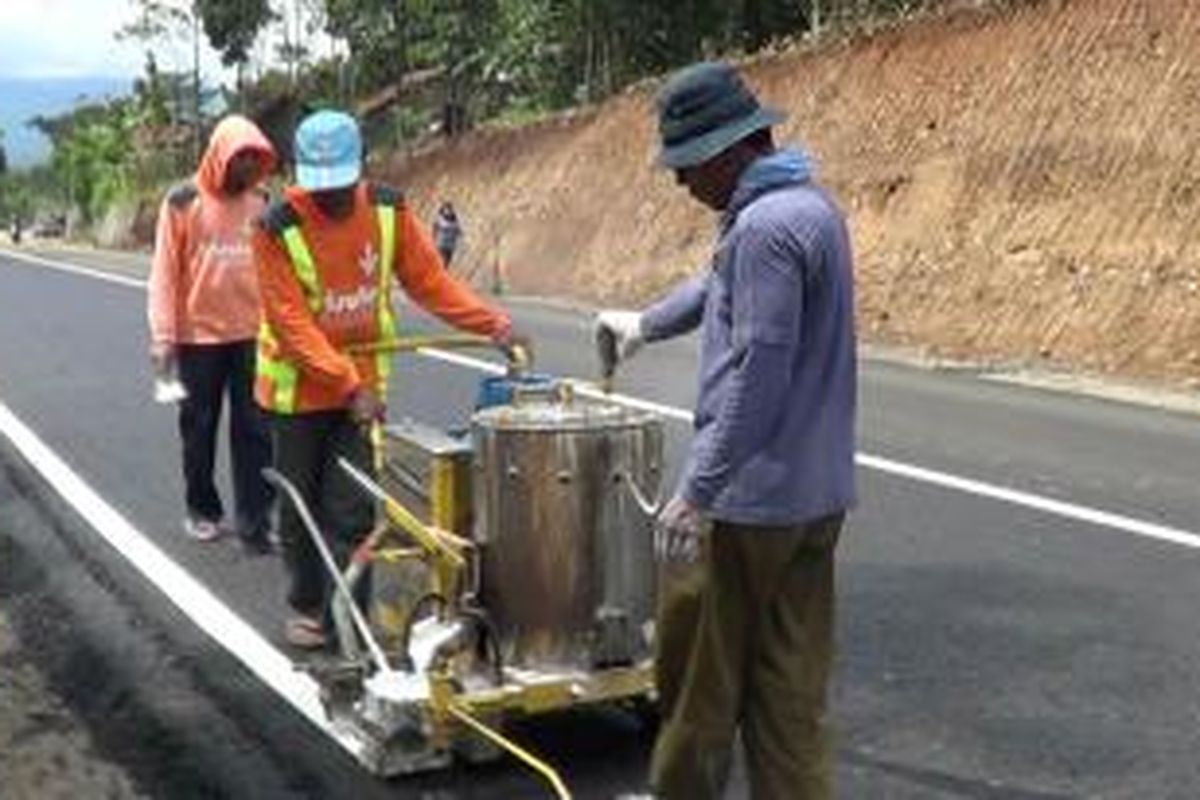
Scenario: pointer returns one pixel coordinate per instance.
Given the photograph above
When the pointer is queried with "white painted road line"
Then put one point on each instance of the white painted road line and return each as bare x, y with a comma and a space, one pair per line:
1048, 505
888, 466
189, 595
74, 269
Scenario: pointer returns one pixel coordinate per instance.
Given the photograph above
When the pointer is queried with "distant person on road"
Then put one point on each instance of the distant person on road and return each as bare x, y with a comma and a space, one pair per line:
15, 231
203, 312
447, 231
328, 254
746, 608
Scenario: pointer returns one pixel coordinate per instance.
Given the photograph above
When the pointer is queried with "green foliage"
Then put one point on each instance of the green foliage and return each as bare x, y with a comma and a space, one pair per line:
232, 25
96, 159
92, 154
376, 32
419, 63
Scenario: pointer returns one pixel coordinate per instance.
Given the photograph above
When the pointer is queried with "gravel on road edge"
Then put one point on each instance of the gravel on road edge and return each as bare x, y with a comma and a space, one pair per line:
45, 751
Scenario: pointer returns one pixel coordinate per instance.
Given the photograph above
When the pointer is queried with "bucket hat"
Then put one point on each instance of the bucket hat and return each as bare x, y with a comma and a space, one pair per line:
328, 151
704, 109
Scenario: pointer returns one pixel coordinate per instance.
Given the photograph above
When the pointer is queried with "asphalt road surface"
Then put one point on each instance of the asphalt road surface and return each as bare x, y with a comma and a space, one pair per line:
1018, 587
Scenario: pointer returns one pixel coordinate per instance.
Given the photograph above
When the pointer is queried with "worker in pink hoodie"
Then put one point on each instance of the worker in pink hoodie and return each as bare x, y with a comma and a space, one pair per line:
203, 309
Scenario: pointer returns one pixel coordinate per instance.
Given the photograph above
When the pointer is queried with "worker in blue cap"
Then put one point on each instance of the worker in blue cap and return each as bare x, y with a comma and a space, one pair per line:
328, 255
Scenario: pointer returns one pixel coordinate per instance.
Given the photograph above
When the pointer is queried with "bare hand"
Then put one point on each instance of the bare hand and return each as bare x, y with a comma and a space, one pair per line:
365, 407
162, 357
677, 532
517, 348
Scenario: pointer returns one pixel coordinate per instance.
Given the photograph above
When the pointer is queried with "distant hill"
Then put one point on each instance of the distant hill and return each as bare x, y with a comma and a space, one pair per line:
21, 99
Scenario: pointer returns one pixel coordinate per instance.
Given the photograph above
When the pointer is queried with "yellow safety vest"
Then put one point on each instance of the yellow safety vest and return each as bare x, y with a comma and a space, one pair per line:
283, 374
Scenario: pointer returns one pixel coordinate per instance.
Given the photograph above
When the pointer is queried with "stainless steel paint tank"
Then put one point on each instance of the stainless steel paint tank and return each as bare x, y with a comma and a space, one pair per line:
567, 572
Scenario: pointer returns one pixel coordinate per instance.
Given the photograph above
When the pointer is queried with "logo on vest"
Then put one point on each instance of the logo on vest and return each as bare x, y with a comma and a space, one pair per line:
368, 261
344, 310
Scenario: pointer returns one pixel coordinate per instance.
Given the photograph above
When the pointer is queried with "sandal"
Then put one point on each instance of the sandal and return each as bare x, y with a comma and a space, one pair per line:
304, 632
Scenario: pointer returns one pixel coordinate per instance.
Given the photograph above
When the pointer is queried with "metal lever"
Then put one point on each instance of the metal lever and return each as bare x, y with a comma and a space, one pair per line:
606, 349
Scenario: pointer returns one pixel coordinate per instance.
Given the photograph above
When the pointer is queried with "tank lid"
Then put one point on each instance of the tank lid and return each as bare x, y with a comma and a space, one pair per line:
551, 415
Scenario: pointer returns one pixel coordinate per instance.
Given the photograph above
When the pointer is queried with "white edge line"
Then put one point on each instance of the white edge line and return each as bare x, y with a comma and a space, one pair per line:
1047, 505
88, 272
189, 595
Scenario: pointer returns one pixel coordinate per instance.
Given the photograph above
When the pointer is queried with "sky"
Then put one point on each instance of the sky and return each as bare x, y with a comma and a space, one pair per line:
55, 53
74, 38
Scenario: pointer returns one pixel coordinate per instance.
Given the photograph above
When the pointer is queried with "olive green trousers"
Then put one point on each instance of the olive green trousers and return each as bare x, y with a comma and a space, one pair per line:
745, 642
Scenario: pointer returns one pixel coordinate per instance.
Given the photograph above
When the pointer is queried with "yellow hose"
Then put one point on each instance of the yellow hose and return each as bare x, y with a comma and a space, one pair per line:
530, 760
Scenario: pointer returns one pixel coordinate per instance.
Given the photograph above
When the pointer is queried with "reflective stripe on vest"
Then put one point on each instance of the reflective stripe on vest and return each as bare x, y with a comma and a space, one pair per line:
283, 374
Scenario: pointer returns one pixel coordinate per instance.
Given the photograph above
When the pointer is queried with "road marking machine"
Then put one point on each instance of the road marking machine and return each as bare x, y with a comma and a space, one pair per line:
512, 574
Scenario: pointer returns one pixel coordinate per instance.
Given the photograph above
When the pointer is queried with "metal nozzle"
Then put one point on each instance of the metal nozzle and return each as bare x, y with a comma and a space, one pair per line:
519, 360
606, 349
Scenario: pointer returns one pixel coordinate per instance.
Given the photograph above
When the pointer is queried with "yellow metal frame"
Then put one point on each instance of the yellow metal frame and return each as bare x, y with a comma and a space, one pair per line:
445, 551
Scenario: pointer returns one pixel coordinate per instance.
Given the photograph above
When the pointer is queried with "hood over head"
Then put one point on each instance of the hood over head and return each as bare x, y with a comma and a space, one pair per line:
232, 135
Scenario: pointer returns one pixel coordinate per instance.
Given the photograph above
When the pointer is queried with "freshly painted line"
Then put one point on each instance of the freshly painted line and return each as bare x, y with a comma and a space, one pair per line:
73, 269
189, 595
886, 465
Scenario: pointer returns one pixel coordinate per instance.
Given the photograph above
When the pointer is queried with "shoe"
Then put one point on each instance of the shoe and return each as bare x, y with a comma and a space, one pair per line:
257, 544
305, 633
202, 530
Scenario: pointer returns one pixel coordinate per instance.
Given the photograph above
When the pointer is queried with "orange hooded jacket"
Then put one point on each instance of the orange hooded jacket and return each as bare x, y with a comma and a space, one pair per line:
203, 285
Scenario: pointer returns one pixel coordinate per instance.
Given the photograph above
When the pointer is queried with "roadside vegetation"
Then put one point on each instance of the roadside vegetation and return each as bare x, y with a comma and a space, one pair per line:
410, 69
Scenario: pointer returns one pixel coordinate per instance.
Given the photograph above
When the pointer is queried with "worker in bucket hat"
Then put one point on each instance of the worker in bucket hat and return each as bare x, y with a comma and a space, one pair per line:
746, 606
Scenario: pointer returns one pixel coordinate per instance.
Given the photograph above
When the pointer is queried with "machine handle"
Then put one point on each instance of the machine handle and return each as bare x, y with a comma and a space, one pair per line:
648, 507
408, 344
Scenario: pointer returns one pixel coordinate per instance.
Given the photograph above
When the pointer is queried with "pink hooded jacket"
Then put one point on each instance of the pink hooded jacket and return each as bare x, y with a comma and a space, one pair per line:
203, 283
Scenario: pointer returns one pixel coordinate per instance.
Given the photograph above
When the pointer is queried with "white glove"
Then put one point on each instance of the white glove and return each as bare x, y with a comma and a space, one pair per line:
626, 326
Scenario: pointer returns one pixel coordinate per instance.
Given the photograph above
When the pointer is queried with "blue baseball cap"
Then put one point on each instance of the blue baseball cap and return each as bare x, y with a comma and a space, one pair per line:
328, 151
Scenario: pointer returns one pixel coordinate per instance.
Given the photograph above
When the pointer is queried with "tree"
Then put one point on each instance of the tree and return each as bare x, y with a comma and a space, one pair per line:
377, 34
167, 20
233, 25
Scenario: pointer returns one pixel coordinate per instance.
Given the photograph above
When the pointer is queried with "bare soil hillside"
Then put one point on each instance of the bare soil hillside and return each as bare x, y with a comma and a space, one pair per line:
1022, 185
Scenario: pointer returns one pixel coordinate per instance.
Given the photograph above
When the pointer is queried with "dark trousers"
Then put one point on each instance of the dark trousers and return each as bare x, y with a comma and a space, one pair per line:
209, 372
307, 449
746, 642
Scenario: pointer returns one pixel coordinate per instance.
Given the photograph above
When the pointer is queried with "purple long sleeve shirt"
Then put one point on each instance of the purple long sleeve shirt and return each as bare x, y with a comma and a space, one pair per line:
775, 411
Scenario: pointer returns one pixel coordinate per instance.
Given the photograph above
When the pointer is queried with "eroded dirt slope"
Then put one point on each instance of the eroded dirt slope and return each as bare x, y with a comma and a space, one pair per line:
1022, 185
